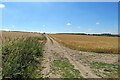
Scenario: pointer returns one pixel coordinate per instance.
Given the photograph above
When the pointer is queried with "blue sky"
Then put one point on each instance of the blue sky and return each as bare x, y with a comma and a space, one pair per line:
88, 17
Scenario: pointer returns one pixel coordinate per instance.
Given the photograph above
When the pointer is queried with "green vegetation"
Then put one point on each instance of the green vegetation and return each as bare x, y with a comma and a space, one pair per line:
110, 70
99, 65
56, 54
19, 57
104, 34
0, 73
65, 68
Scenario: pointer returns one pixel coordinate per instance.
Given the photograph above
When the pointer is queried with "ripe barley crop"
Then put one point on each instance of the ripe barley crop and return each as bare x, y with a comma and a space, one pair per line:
88, 43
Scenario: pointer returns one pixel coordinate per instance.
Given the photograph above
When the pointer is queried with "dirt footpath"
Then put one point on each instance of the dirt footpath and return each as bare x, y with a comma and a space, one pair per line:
80, 60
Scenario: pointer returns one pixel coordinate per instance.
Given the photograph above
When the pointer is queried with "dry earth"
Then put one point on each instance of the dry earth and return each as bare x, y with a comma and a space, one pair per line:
81, 60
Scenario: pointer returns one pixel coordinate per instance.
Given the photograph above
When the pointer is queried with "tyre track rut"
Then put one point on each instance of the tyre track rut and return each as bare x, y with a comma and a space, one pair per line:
52, 46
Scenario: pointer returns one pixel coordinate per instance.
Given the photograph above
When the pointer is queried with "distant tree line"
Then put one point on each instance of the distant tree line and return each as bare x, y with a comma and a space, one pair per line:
104, 34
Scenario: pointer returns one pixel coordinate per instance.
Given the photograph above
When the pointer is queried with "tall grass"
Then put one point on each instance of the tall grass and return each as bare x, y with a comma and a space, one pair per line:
19, 56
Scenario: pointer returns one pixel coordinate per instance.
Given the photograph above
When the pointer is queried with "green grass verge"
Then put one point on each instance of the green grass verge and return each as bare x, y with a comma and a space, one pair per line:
110, 70
99, 65
65, 68
0, 73
19, 57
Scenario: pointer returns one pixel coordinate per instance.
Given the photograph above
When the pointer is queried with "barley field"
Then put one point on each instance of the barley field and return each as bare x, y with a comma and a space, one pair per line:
7, 35
100, 44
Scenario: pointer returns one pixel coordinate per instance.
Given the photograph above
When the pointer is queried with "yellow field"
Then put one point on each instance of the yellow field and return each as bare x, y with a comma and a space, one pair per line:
88, 43
7, 35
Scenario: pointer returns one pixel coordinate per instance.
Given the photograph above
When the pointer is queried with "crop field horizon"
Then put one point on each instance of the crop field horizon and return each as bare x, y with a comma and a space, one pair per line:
59, 39
27, 55
101, 44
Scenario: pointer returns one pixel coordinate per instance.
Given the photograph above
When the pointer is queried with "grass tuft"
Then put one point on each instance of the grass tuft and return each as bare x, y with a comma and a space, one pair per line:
19, 56
65, 68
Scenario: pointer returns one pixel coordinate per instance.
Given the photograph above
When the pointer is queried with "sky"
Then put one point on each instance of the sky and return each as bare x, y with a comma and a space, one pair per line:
57, 17
60, 0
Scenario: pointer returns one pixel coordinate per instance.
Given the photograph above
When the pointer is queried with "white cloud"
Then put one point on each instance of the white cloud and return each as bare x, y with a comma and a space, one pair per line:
6, 29
2, 5
97, 23
68, 24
